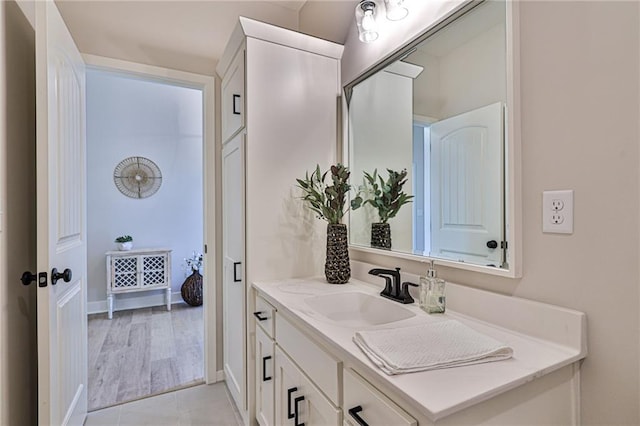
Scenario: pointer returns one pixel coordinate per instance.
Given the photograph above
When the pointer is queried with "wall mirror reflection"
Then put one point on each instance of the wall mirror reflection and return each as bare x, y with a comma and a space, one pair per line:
439, 113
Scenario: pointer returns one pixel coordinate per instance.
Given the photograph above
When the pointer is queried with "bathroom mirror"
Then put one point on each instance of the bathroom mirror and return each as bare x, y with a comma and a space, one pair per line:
442, 108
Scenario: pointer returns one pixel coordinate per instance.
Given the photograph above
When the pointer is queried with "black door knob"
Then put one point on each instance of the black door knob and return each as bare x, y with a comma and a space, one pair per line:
65, 276
27, 277
492, 244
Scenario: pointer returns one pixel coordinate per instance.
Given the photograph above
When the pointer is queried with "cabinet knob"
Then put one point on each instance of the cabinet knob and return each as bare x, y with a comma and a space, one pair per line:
492, 244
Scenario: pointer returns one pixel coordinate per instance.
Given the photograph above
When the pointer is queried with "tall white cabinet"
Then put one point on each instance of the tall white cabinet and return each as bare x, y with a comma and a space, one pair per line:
280, 97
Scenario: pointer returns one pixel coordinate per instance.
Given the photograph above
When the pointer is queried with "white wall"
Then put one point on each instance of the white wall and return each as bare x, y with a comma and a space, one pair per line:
580, 108
18, 357
130, 117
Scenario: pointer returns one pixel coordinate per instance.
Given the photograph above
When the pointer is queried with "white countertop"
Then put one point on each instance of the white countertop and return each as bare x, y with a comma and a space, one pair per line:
547, 345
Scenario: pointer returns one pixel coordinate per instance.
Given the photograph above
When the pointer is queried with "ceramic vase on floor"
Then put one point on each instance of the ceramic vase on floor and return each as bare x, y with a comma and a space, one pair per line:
381, 235
191, 289
337, 268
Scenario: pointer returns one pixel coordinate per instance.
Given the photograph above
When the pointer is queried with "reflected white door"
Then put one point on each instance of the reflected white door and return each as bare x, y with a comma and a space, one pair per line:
233, 287
466, 191
61, 222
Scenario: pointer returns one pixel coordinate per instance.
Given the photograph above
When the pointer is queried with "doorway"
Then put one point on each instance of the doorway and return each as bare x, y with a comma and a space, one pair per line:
146, 348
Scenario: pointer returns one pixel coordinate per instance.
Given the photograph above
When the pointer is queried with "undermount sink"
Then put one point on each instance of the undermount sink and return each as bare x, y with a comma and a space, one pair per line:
355, 309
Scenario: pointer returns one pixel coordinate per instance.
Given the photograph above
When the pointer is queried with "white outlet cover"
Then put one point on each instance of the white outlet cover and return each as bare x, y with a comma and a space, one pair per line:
550, 222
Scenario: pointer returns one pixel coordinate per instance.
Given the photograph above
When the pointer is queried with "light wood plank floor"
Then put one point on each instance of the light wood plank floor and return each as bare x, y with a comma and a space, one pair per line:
144, 352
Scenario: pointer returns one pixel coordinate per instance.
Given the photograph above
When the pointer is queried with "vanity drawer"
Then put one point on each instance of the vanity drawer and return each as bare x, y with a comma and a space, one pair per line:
264, 316
374, 407
321, 367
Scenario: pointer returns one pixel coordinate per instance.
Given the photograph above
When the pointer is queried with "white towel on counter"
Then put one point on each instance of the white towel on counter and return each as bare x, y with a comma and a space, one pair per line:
430, 346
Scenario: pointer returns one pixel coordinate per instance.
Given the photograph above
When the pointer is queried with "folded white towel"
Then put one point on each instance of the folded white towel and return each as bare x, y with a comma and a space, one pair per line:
430, 346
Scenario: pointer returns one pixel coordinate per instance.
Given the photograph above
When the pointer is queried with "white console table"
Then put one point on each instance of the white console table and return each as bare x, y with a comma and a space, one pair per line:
138, 270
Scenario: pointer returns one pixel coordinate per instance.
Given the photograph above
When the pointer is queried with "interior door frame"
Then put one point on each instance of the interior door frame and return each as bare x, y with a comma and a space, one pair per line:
207, 85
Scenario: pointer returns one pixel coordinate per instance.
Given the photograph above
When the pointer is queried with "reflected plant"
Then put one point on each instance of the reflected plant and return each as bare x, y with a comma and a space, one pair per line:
385, 196
327, 201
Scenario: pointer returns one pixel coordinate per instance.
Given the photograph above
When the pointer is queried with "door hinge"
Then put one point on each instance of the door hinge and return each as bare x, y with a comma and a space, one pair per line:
205, 249
503, 245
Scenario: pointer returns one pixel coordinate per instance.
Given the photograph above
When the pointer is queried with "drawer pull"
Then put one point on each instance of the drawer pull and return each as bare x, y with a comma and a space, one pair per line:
264, 368
235, 98
297, 414
353, 412
235, 272
290, 415
257, 315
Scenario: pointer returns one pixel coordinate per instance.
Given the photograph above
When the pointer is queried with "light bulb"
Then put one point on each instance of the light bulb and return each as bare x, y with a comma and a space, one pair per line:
396, 10
365, 17
368, 22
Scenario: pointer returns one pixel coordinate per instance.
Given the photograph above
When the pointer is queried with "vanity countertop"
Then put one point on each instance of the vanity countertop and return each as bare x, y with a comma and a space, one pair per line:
544, 338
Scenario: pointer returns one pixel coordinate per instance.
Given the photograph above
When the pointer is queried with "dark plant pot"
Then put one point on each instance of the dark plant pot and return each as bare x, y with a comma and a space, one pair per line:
337, 268
381, 235
191, 290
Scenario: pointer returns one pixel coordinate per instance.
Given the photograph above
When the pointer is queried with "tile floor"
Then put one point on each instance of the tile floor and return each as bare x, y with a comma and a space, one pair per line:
143, 352
198, 405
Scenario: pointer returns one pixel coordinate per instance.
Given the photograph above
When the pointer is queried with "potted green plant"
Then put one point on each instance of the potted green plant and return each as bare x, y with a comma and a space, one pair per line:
125, 242
386, 197
327, 200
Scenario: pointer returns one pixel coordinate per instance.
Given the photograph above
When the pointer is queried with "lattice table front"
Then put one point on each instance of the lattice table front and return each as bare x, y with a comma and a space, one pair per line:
138, 270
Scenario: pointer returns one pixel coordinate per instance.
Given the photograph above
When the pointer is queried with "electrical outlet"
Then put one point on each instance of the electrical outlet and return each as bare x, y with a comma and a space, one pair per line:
557, 219
557, 212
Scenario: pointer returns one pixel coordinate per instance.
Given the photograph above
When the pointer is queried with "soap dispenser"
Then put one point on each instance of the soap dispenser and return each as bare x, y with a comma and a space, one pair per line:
432, 296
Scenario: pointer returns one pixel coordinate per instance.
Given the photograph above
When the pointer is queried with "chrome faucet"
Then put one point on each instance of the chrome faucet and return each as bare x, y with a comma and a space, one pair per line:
393, 289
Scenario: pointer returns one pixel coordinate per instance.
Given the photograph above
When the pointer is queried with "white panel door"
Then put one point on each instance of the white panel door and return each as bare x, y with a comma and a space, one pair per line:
61, 222
466, 190
233, 287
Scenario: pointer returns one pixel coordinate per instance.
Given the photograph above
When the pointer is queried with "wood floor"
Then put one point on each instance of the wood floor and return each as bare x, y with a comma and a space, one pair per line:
144, 352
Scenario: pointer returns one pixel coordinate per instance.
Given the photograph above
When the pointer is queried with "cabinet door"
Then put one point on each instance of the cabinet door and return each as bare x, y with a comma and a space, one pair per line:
298, 400
233, 285
154, 270
233, 102
265, 381
124, 273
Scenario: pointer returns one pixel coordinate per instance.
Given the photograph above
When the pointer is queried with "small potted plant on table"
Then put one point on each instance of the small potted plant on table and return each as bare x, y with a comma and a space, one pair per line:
125, 242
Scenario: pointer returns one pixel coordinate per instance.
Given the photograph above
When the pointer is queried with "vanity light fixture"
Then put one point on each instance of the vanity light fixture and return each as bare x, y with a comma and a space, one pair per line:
396, 10
366, 21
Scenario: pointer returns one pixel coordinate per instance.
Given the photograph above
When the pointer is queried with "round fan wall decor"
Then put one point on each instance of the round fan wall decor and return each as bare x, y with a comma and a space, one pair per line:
137, 177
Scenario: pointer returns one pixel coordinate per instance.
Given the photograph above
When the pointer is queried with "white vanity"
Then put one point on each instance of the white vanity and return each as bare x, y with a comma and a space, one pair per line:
308, 370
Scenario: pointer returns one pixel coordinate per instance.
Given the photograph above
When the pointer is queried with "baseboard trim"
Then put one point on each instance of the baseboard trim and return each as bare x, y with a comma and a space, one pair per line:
143, 301
219, 376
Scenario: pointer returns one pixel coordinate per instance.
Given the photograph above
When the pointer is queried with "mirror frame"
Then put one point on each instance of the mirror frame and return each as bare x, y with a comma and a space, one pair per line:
513, 176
